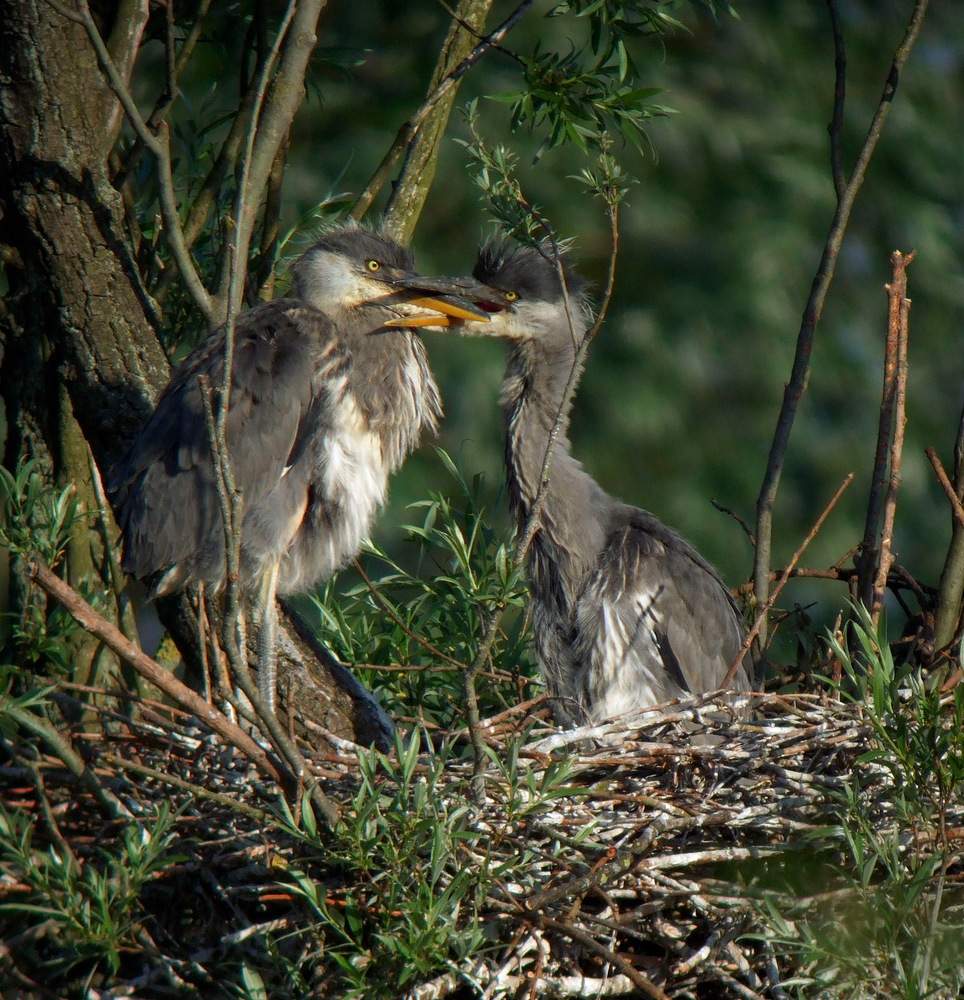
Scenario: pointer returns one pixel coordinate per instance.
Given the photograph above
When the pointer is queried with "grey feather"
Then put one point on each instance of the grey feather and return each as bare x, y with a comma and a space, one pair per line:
626, 613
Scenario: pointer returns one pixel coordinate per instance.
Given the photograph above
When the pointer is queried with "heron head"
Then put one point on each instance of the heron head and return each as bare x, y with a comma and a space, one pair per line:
530, 294
365, 280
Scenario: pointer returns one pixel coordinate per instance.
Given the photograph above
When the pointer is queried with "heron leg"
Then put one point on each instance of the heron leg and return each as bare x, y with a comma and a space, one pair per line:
268, 638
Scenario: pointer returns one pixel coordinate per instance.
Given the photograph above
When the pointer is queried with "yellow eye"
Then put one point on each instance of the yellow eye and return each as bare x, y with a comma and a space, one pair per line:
373, 265
511, 296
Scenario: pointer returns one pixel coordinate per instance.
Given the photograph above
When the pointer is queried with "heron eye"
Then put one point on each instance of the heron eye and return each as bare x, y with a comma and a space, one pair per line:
511, 296
373, 265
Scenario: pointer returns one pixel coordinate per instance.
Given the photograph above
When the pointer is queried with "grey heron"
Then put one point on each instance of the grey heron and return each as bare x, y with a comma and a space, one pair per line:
626, 613
330, 391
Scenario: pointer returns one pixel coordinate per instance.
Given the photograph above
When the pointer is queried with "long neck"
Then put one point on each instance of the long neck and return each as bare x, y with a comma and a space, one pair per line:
574, 510
394, 387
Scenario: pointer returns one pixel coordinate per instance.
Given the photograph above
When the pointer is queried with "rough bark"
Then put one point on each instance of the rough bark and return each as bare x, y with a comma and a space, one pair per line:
81, 357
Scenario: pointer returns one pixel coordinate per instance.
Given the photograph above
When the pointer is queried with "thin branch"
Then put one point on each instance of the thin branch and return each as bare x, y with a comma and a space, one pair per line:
408, 131
127, 30
60, 746
644, 985
800, 374
390, 611
835, 128
899, 310
232, 802
231, 504
160, 147
740, 520
279, 93
956, 505
112, 637
761, 617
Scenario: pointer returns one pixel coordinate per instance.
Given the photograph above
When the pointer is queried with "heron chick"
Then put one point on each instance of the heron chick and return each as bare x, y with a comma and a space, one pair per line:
330, 391
626, 613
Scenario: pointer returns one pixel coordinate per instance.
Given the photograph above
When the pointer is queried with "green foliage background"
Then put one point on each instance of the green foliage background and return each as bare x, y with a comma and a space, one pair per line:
719, 244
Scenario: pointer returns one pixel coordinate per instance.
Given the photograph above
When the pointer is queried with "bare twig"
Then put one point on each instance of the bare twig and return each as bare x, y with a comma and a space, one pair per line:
409, 130
111, 636
159, 146
641, 982
899, 311
740, 520
835, 128
956, 505
800, 373
762, 614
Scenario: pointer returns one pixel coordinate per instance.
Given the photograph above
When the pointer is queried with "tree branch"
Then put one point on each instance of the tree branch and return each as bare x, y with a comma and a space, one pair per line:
761, 618
112, 637
278, 96
414, 182
159, 145
800, 373
835, 128
899, 310
409, 130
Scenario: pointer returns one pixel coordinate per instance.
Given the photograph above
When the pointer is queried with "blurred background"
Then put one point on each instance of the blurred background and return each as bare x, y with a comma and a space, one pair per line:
719, 243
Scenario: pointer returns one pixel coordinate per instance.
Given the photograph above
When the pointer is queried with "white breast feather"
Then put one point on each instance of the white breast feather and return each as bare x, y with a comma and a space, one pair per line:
354, 483
357, 473
626, 672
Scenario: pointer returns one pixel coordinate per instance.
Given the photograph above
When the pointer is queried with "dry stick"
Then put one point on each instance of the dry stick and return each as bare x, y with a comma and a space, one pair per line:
408, 131
800, 373
740, 520
899, 313
112, 637
781, 583
946, 485
867, 561
231, 504
646, 986
195, 791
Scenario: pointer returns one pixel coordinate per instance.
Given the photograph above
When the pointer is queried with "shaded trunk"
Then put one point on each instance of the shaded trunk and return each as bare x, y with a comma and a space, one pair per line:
82, 361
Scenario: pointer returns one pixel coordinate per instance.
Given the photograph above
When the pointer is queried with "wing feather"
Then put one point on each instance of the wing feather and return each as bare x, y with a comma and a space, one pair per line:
653, 622
164, 490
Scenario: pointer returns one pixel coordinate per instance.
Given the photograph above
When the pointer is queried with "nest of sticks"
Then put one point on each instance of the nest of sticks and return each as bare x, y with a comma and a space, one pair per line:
643, 879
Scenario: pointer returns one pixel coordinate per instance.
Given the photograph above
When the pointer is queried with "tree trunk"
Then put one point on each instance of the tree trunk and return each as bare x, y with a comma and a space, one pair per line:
82, 361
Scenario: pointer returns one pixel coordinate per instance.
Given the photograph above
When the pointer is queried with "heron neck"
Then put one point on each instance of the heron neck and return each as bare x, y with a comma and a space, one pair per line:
574, 508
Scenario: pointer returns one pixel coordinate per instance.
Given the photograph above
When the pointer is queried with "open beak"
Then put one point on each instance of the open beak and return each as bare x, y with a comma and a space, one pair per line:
451, 301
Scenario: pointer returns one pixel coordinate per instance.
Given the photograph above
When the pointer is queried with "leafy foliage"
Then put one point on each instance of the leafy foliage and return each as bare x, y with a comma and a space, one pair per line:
36, 518
892, 924
427, 620
88, 912
418, 862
